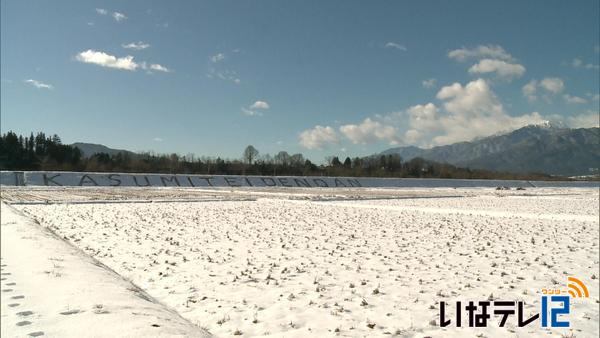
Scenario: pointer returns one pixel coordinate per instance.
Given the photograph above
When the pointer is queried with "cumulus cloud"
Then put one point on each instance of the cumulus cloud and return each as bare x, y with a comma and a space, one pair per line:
423, 120
110, 61
502, 69
578, 63
119, 16
482, 51
429, 83
574, 99
465, 112
588, 119
395, 45
217, 57
106, 60
530, 89
368, 131
424, 116
260, 105
553, 85
250, 112
550, 86
39, 84
472, 111
159, 68
157, 139
473, 99
469, 111
254, 109
136, 45
318, 137
101, 11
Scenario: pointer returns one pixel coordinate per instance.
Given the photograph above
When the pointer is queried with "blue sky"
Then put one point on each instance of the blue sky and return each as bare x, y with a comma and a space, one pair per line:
318, 77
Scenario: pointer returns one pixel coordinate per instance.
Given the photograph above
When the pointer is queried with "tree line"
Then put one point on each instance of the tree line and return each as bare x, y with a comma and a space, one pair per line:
42, 152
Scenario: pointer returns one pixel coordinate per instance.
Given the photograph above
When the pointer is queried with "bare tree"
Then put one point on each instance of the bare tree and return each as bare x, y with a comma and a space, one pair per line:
250, 153
297, 160
282, 158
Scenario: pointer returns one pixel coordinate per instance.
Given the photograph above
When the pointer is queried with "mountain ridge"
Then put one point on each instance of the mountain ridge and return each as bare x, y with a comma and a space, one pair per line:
89, 149
548, 148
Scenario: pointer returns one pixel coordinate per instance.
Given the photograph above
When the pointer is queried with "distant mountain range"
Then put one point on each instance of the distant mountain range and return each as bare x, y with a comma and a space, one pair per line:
89, 149
547, 148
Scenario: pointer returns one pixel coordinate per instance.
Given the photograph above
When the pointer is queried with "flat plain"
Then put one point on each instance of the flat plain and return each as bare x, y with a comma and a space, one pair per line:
335, 262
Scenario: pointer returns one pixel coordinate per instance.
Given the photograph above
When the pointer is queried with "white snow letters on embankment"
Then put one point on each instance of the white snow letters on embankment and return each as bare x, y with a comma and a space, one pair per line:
78, 179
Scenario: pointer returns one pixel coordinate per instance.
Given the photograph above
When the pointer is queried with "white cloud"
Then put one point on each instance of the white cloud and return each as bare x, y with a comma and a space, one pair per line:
470, 111
136, 45
395, 46
107, 60
226, 75
553, 85
474, 98
429, 83
159, 68
574, 99
466, 112
550, 85
423, 120
126, 63
260, 105
253, 110
157, 139
318, 137
250, 112
482, 51
503, 69
578, 63
39, 84
368, 131
119, 16
424, 116
217, 57
588, 119
116, 15
530, 89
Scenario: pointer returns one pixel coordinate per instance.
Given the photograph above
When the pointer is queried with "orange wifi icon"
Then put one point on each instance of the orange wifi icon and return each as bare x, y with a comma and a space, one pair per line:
577, 288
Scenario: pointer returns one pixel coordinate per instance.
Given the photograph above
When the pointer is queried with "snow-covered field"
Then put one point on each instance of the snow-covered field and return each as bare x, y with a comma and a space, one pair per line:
347, 262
